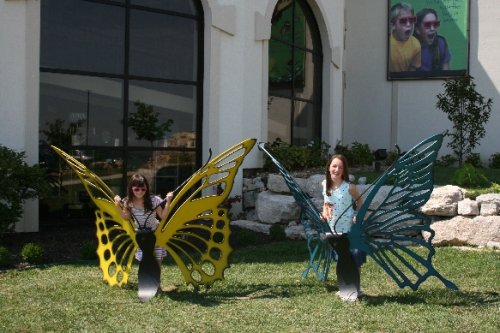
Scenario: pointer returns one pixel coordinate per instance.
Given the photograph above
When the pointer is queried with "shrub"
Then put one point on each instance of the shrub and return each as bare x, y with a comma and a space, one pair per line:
33, 253
358, 155
277, 233
295, 158
392, 156
475, 160
18, 183
361, 154
470, 176
246, 237
5, 257
447, 161
495, 161
89, 251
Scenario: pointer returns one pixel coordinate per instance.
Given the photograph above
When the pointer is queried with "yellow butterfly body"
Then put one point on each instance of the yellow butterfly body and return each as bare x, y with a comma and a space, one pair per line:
195, 231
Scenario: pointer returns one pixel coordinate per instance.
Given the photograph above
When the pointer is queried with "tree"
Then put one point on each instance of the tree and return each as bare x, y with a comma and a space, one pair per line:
144, 122
468, 110
19, 182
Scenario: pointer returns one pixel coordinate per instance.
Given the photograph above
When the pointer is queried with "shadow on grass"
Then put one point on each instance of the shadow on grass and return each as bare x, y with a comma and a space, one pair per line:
442, 297
210, 297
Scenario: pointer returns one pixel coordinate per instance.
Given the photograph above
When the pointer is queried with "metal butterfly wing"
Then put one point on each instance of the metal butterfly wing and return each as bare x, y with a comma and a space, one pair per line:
196, 230
320, 250
115, 235
390, 230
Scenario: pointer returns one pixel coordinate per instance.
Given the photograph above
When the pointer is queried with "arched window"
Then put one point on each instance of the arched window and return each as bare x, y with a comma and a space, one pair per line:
120, 89
295, 65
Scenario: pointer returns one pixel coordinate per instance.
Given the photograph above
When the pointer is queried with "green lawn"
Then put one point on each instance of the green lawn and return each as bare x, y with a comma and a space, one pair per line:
262, 292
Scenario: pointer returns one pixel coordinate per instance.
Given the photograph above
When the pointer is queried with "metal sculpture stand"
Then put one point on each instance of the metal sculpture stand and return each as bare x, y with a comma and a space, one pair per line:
348, 277
149, 270
320, 250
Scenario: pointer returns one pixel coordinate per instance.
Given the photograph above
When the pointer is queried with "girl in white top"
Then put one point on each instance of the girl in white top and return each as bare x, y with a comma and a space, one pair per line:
143, 209
338, 195
338, 211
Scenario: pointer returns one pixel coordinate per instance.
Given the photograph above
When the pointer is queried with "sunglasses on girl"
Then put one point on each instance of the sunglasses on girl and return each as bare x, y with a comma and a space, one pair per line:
430, 24
138, 189
407, 19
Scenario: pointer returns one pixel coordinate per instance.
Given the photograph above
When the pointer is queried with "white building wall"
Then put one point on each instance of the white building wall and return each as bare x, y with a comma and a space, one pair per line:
236, 72
235, 76
381, 112
19, 81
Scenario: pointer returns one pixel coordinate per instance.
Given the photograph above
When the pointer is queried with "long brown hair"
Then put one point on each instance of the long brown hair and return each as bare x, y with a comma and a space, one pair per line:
139, 180
328, 177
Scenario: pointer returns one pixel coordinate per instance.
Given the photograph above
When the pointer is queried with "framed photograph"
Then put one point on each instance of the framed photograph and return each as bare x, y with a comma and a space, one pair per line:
427, 39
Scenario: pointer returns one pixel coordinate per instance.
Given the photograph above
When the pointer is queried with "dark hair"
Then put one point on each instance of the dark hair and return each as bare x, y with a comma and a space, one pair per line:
345, 172
434, 47
140, 181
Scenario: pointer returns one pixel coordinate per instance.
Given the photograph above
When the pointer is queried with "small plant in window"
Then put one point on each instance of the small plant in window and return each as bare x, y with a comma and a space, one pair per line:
146, 124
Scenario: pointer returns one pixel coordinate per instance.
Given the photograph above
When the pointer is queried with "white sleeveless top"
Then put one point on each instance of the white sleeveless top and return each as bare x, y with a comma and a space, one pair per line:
343, 212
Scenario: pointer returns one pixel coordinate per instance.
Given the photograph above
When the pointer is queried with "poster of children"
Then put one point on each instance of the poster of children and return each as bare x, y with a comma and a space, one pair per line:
428, 39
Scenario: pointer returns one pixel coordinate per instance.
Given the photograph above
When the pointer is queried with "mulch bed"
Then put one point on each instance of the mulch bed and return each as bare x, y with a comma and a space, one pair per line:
63, 242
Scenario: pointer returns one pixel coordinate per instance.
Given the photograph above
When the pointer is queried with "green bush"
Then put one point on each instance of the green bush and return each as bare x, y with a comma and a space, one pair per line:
361, 155
392, 156
18, 183
358, 155
89, 251
246, 237
33, 253
5, 257
447, 161
277, 233
295, 158
475, 160
495, 161
470, 176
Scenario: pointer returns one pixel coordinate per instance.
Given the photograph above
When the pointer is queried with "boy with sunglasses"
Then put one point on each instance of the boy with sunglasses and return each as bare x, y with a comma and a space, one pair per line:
404, 47
435, 52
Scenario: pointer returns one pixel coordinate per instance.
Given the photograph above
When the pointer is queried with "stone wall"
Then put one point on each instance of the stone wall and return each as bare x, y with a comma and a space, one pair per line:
456, 220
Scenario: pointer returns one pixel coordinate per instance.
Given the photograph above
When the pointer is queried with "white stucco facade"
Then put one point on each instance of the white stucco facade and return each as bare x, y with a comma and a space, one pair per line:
359, 103
403, 112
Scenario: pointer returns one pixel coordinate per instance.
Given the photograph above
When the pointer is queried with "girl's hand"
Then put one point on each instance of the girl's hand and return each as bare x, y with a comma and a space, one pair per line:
170, 196
117, 200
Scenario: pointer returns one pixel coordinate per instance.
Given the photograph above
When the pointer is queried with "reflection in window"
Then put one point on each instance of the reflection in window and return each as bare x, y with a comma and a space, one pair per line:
295, 60
119, 87
173, 102
78, 110
81, 35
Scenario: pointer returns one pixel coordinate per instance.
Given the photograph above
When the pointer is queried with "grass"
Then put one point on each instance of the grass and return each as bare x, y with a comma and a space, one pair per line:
262, 292
445, 176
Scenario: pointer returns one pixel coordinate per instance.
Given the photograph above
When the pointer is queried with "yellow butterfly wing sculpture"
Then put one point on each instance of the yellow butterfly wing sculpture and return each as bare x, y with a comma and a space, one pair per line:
195, 231
115, 235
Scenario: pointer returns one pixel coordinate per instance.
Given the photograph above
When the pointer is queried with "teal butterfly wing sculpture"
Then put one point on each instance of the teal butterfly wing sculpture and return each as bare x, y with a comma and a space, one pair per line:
320, 250
391, 230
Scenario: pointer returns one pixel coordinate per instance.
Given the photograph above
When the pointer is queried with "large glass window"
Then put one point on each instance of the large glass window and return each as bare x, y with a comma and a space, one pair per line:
119, 90
295, 65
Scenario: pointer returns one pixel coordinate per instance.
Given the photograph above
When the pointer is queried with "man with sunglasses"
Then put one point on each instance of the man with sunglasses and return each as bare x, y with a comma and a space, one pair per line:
435, 52
404, 47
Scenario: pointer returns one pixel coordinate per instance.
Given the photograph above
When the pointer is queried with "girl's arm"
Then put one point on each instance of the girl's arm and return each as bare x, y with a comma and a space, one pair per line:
122, 209
357, 198
327, 211
163, 212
